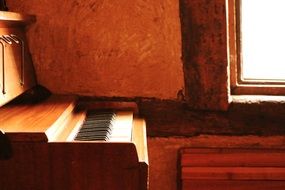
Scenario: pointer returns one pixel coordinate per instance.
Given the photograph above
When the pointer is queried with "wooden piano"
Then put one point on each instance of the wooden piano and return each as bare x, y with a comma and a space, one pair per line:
58, 142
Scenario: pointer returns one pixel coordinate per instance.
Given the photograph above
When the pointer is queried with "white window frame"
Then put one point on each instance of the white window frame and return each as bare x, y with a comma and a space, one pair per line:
239, 85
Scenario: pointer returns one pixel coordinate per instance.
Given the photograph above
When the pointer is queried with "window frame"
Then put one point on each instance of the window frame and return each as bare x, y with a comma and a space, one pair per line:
239, 85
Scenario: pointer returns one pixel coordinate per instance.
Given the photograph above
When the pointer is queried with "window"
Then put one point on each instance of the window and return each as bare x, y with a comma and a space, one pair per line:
257, 46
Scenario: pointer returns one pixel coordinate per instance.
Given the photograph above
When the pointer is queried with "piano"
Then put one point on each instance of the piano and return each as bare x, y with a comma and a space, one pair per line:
57, 142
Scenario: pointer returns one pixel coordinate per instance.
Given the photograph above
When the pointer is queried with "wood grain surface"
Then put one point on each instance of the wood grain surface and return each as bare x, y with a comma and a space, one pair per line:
236, 168
41, 158
28, 122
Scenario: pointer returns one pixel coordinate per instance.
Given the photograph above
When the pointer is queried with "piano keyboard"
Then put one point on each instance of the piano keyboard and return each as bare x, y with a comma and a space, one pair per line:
106, 126
97, 126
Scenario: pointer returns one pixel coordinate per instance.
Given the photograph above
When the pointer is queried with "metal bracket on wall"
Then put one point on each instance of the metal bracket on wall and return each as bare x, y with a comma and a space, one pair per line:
10, 39
3, 66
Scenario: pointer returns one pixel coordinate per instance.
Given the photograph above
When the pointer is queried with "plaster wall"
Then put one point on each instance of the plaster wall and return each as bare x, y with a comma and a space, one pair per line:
126, 48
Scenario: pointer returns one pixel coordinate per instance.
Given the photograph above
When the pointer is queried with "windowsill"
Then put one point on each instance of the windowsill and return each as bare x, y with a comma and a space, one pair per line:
270, 108
257, 99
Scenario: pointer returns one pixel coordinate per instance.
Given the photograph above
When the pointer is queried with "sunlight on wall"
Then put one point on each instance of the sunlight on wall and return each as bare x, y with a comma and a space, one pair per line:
263, 39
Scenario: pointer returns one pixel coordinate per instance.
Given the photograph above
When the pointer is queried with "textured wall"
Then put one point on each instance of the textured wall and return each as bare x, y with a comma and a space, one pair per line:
204, 28
106, 48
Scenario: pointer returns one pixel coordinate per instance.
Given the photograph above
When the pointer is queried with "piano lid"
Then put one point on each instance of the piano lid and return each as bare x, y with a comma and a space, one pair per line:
16, 69
36, 121
8, 18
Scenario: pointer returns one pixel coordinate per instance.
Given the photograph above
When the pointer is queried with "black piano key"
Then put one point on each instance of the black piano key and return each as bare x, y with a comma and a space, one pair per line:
97, 126
93, 136
94, 131
99, 135
92, 139
92, 126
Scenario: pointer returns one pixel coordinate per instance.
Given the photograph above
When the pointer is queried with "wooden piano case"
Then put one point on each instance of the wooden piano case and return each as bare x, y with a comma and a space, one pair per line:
35, 152
39, 156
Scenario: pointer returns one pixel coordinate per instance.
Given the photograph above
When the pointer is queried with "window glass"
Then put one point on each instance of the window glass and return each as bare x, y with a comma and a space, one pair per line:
263, 39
